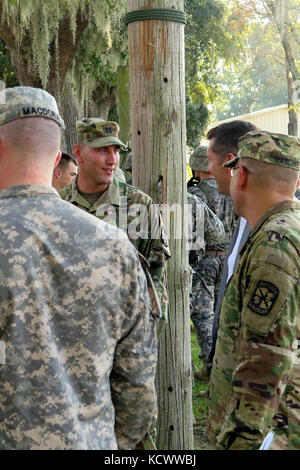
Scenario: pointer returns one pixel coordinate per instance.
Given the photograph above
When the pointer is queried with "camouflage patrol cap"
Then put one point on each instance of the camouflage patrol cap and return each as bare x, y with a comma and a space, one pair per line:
25, 101
95, 132
269, 147
198, 159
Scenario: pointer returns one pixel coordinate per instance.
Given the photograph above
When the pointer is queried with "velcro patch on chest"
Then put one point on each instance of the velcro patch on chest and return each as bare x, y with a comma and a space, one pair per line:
263, 298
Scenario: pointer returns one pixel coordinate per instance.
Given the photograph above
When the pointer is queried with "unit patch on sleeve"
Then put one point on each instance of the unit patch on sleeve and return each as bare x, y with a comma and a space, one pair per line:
263, 298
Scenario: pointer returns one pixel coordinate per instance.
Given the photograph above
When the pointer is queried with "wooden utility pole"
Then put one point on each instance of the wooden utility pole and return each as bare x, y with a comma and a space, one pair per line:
123, 102
157, 94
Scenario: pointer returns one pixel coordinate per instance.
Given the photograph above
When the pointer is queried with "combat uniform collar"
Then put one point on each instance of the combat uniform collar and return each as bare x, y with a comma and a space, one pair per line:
281, 206
211, 181
110, 196
28, 190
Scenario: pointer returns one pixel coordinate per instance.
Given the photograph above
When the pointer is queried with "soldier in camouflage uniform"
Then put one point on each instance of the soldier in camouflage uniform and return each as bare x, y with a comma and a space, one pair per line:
64, 172
254, 384
97, 191
77, 338
207, 273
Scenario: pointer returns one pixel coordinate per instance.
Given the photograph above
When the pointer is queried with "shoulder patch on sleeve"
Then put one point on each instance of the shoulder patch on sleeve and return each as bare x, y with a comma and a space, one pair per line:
266, 298
263, 298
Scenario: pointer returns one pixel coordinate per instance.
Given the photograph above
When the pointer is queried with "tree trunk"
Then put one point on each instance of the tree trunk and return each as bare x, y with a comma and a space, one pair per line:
70, 111
157, 80
293, 119
103, 99
280, 9
292, 73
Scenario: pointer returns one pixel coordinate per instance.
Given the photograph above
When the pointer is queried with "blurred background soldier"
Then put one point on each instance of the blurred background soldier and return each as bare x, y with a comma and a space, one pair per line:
208, 273
77, 344
204, 227
65, 171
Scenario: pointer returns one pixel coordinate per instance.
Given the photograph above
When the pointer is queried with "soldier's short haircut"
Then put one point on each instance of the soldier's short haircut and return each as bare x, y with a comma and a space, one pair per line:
226, 136
274, 176
33, 136
66, 158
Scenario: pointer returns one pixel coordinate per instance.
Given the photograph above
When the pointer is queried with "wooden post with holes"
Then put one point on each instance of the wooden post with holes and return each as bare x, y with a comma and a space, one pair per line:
158, 126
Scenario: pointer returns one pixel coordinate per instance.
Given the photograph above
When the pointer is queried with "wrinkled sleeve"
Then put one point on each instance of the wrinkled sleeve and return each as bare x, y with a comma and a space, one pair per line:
213, 228
132, 377
204, 227
267, 350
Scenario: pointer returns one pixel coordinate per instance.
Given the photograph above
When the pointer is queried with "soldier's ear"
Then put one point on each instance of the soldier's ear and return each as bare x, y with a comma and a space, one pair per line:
243, 174
58, 172
77, 153
229, 157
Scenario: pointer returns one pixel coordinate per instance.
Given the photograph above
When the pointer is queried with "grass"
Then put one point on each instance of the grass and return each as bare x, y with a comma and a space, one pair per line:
199, 401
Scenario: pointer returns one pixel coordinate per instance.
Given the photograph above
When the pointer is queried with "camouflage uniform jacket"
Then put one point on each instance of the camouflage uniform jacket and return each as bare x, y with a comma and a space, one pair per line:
77, 339
204, 226
256, 371
119, 205
221, 205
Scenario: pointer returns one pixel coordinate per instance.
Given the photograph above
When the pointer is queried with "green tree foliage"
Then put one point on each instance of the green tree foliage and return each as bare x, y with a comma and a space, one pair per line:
43, 24
43, 40
43, 37
7, 74
199, 59
197, 115
209, 39
254, 81
284, 16
94, 71
257, 79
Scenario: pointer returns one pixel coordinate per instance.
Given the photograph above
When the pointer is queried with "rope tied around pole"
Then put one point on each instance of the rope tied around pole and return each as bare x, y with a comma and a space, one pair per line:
164, 14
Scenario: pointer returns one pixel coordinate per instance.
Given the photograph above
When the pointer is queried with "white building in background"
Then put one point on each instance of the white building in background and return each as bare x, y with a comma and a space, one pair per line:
269, 119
